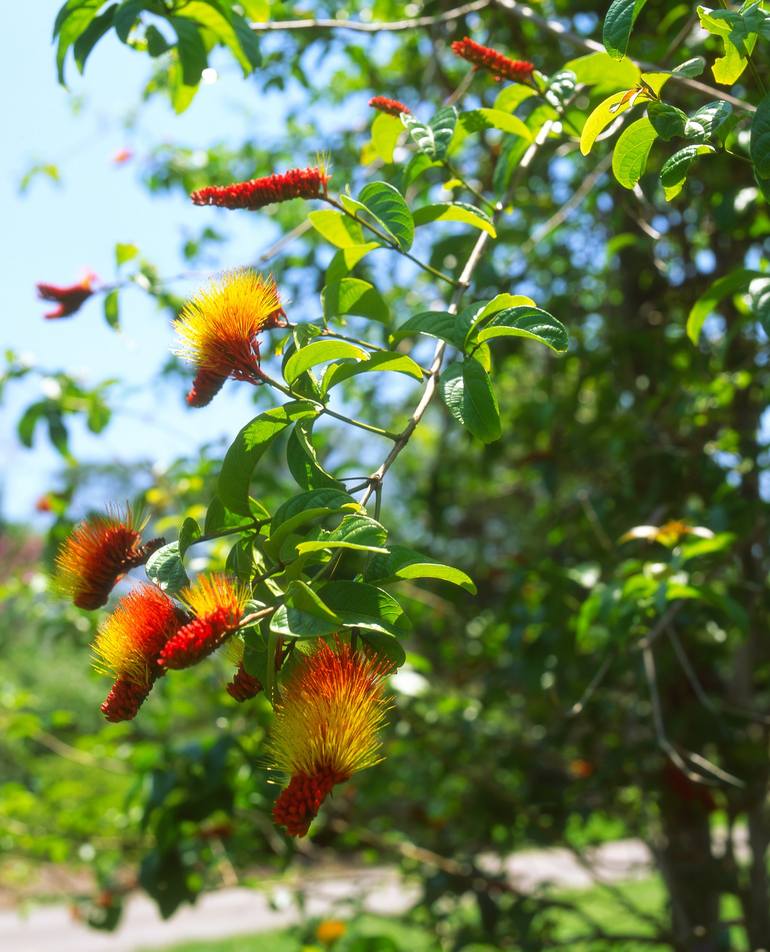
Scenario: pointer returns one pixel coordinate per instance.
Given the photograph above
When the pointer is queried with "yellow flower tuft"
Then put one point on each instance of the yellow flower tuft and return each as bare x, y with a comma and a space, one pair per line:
218, 328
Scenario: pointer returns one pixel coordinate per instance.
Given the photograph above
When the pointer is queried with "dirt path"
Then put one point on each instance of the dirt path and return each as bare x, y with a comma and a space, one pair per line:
232, 912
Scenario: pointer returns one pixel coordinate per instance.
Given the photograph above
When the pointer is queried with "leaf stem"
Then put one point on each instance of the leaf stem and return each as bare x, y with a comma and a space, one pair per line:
369, 427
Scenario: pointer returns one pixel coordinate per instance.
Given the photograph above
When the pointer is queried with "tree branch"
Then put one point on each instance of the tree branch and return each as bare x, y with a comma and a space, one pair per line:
360, 26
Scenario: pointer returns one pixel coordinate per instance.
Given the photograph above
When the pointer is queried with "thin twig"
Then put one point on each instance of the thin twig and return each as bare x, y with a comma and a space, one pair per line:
593, 684
360, 26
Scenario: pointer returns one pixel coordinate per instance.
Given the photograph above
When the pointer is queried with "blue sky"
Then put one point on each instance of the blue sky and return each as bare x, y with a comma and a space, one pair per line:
54, 233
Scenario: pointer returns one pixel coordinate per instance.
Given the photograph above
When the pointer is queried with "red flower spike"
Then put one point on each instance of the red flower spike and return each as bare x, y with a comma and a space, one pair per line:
243, 686
127, 646
218, 606
257, 193
326, 727
205, 387
484, 57
97, 554
390, 106
124, 700
69, 298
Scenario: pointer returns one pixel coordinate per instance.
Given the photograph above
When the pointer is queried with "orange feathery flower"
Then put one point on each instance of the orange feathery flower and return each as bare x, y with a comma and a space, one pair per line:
326, 728
98, 553
218, 604
218, 330
127, 646
256, 193
68, 298
518, 71
390, 106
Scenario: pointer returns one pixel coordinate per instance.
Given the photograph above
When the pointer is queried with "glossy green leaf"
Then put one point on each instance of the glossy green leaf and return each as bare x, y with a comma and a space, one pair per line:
455, 211
667, 120
705, 121
188, 534
629, 158
337, 228
88, 39
386, 131
618, 23
691, 67
467, 391
432, 138
360, 605
346, 259
600, 69
304, 614
72, 21
441, 324
526, 321
165, 569
476, 120
319, 352
357, 532
248, 448
404, 563
112, 309
387, 205
191, 48
674, 172
353, 296
378, 362
303, 461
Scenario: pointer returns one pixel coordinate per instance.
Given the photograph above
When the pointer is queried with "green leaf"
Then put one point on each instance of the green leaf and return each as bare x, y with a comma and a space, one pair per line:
346, 259
629, 158
353, 296
667, 120
126, 17
111, 309
615, 105
90, 37
360, 605
705, 121
600, 69
760, 138
318, 353
337, 228
432, 139
303, 461
526, 321
305, 508
228, 28
380, 361
618, 23
188, 534
404, 563
386, 131
303, 614
674, 172
125, 252
28, 421
455, 211
164, 568
388, 206
72, 21
248, 448
358, 532
439, 324
467, 391
735, 282
218, 517
602, 116
191, 49
691, 67
476, 120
